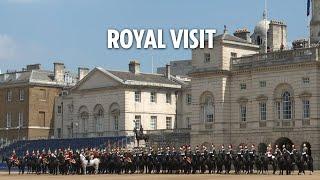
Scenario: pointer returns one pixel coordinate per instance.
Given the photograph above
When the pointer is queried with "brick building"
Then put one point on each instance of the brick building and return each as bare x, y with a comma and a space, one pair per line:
27, 101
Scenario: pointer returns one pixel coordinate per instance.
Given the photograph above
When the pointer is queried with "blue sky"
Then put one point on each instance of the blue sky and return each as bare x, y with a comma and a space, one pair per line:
74, 31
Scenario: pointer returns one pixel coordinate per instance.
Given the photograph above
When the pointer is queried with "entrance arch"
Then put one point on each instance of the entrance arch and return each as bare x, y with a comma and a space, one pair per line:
284, 141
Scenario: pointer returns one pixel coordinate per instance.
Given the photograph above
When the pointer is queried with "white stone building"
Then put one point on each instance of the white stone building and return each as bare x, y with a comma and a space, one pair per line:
112, 103
241, 95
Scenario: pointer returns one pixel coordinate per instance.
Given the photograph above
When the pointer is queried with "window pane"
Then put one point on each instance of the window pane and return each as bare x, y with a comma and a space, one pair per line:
137, 96
243, 113
153, 122
263, 111
168, 123
168, 98
306, 109
286, 104
137, 122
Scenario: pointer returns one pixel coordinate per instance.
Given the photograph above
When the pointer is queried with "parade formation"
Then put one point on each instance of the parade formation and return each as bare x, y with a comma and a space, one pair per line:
168, 160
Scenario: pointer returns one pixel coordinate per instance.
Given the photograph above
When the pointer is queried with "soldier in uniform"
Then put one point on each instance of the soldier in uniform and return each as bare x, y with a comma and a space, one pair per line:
14, 157
277, 151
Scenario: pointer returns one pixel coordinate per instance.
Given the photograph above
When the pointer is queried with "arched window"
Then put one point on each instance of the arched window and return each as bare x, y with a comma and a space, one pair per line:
259, 40
284, 102
83, 118
207, 107
115, 115
287, 105
98, 118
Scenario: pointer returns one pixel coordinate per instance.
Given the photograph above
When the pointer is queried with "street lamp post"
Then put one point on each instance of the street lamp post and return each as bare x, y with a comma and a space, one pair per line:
7, 136
77, 130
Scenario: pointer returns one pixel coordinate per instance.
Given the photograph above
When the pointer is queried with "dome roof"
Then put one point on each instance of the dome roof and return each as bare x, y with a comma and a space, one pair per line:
261, 27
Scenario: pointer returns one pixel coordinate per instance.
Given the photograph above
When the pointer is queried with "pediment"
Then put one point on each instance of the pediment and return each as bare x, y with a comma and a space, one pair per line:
97, 79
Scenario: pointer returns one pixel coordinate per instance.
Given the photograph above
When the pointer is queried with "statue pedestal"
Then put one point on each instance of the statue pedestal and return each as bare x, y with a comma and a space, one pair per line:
142, 144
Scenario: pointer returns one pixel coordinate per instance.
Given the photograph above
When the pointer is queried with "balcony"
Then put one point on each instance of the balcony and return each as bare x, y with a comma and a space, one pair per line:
276, 58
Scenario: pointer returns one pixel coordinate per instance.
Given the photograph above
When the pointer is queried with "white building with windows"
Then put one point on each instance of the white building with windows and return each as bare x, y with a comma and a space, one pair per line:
242, 95
112, 103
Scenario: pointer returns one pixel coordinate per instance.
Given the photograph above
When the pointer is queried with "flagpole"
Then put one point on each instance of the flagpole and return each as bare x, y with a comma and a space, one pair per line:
266, 25
308, 23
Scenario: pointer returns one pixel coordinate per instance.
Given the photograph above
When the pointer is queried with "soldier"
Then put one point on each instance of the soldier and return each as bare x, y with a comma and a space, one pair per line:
253, 150
269, 151
14, 156
294, 150
241, 151
230, 150
277, 151
222, 150
284, 150
305, 151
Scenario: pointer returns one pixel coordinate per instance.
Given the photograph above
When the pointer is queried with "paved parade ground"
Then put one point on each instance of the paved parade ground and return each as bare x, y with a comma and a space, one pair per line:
14, 176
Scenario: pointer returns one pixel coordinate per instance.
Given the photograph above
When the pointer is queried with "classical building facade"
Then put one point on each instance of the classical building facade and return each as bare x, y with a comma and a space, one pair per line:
241, 95
113, 103
27, 101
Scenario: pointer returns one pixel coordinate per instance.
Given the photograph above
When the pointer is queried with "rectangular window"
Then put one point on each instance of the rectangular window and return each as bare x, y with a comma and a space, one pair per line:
189, 99
263, 84
243, 86
168, 122
59, 109
116, 122
153, 123
287, 111
278, 110
8, 120
306, 109
42, 119
137, 122
43, 94
137, 96
206, 57
234, 55
188, 122
9, 95
168, 98
153, 97
20, 119
21, 94
243, 112
263, 111
306, 80
209, 118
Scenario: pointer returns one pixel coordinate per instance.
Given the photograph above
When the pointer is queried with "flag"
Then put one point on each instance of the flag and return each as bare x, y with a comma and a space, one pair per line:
308, 7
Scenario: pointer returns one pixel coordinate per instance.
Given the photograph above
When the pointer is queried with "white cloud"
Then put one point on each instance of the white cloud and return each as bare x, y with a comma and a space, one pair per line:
8, 47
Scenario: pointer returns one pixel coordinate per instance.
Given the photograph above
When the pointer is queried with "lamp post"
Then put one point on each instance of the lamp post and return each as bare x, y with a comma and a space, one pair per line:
77, 130
7, 129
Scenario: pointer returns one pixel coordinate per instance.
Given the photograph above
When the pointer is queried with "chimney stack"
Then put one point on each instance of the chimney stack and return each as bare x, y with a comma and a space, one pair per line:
82, 72
33, 67
243, 34
59, 72
168, 71
134, 67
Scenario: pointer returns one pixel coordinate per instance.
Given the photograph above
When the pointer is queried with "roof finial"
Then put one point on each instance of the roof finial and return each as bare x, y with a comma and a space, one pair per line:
264, 14
225, 31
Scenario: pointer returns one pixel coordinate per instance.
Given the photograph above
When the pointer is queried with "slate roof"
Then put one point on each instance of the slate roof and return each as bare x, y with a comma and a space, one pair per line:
179, 67
229, 37
143, 77
32, 76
